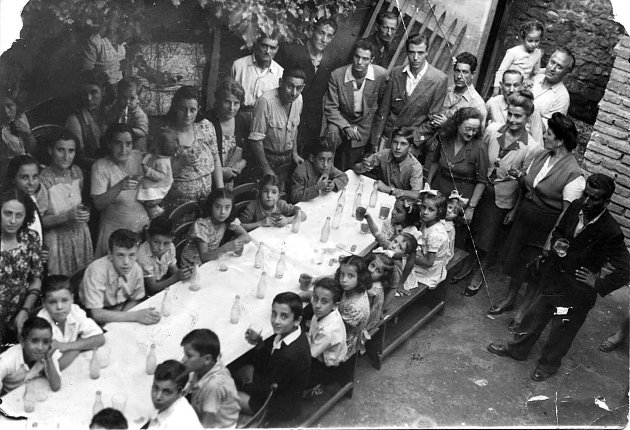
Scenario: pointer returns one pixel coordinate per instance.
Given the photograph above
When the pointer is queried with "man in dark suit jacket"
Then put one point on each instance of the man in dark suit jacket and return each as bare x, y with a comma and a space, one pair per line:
347, 120
569, 279
284, 359
383, 36
317, 63
414, 93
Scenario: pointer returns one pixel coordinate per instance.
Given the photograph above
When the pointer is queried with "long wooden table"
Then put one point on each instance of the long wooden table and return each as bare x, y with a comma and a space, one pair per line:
210, 307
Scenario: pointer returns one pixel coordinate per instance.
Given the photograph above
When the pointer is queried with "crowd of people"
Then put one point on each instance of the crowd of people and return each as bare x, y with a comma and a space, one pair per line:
293, 118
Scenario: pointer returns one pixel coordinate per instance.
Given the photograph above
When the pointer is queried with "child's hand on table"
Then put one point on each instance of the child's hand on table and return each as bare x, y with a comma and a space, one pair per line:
148, 316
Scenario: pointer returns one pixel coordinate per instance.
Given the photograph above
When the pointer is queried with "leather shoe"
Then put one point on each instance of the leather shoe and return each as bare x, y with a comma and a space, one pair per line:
468, 292
499, 349
607, 345
497, 310
539, 375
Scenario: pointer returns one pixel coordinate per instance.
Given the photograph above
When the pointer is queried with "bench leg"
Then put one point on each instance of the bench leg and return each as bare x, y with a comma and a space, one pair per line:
374, 347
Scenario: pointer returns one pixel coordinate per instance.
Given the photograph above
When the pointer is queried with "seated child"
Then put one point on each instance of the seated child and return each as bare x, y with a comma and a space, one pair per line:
158, 172
113, 284
72, 330
157, 259
355, 280
381, 268
167, 394
109, 418
213, 393
327, 334
127, 110
433, 253
32, 356
289, 365
268, 210
454, 217
404, 245
206, 234
317, 175
405, 216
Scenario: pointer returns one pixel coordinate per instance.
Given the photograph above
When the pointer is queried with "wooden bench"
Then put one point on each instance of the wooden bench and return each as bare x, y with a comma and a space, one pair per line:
388, 334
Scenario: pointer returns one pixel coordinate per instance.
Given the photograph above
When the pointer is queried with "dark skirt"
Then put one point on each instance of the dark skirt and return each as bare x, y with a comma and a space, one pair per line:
527, 237
488, 221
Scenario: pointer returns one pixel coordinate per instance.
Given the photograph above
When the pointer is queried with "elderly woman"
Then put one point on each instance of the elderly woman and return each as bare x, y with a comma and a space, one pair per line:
197, 163
511, 150
20, 263
460, 162
88, 121
552, 182
115, 180
230, 128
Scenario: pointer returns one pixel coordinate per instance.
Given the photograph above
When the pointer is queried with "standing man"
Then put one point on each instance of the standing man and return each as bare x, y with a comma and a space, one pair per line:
497, 106
569, 277
550, 94
412, 93
382, 37
350, 104
400, 173
317, 63
257, 73
274, 127
462, 93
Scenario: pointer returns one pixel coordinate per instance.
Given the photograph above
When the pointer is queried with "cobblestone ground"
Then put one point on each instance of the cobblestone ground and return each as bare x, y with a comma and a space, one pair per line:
443, 376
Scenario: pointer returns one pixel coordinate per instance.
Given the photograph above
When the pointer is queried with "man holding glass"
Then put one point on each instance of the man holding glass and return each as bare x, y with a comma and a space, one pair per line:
585, 238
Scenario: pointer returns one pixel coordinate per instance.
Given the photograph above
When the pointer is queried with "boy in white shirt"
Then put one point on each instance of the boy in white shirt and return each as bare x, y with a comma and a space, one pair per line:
32, 356
174, 411
72, 330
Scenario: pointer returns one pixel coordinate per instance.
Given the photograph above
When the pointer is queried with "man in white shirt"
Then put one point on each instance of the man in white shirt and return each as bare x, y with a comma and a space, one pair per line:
174, 411
550, 94
257, 72
413, 93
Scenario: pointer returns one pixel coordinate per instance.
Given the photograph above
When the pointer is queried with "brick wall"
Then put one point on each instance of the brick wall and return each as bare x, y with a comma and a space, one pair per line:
584, 26
608, 150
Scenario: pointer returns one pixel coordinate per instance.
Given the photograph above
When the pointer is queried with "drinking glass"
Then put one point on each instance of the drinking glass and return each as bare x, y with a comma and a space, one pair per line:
384, 212
222, 263
305, 281
364, 228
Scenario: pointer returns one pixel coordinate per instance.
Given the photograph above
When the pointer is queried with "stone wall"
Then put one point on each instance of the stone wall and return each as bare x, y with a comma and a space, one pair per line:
608, 150
587, 28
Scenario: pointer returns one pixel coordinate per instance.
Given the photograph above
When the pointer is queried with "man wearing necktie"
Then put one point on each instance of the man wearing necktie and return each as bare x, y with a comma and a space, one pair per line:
569, 277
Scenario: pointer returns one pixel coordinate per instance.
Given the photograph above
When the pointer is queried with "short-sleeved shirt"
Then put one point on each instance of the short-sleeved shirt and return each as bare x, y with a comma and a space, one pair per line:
202, 230
272, 124
215, 393
550, 100
406, 175
327, 338
14, 371
469, 98
78, 325
255, 80
255, 212
104, 287
153, 266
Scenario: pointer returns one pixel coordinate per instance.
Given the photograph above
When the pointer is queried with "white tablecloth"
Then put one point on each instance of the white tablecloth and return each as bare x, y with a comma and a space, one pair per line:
210, 307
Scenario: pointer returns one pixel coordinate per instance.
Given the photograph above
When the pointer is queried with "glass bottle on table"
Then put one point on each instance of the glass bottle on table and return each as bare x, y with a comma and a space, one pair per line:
325, 231
357, 203
281, 266
29, 396
260, 256
98, 403
336, 220
297, 221
95, 365
359, 189
236, 310
374, 195
194, 280
262, 286
341, 201
166, 303
151, 361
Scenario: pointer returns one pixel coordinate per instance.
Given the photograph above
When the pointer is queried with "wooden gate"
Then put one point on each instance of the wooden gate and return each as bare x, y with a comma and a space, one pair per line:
418, 17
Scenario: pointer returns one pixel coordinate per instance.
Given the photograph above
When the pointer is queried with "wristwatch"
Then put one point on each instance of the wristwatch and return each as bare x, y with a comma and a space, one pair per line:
391, 191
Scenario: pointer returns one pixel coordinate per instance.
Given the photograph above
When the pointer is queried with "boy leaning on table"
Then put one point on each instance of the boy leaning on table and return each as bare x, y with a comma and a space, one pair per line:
317, 174
213, 394
32, 356
113, 284
284, 359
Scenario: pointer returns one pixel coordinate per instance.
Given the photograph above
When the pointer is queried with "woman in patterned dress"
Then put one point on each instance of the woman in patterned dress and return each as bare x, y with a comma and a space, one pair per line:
197, 164
20, 263
65, 222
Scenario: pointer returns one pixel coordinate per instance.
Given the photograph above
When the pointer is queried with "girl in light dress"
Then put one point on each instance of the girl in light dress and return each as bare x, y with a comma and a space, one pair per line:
454, 217
67, 235
158, 172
